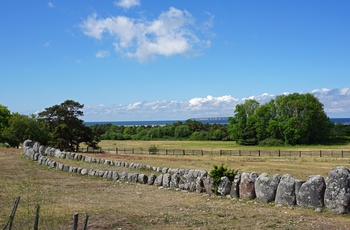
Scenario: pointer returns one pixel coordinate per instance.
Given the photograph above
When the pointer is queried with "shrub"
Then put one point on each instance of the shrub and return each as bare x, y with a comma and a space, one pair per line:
221, 171
271, 142
153, 149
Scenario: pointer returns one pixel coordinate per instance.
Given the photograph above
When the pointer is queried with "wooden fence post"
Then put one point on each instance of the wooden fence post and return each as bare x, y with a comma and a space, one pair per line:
320, 153
183, 152
86, 218
342, 153
259, 153
279, 153
13, 213
75, 221
36, 221
202, 152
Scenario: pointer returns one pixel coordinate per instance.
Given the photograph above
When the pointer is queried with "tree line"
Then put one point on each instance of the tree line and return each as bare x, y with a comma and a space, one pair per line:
187, 130
294, 119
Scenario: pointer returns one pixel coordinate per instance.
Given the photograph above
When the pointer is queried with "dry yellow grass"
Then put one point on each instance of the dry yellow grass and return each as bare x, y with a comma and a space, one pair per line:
119, 205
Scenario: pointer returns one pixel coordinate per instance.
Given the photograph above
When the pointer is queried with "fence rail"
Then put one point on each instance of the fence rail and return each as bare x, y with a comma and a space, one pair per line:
253, 153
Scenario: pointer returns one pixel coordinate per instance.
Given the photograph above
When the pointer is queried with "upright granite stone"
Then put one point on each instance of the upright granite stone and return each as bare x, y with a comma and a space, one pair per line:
337, 193
224, 186
285, 194
265, 187
234, 193
311, 193
247, 185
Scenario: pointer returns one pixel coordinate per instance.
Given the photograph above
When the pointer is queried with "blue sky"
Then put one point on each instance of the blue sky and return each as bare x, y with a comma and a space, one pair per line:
172, 59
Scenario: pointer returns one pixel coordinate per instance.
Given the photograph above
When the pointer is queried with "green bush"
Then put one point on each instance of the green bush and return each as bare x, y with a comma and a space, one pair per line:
218, 172
153, 149
271, 142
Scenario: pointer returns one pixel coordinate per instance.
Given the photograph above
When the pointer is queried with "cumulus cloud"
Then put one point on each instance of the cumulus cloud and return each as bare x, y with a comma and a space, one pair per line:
172, 33
127, 4
335, 101
336, 104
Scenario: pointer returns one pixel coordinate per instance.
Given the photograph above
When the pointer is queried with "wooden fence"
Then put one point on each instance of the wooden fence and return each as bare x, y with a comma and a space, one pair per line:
9, 223
252, 153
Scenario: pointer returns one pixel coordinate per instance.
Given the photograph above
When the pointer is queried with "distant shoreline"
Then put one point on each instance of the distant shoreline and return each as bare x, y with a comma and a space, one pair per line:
205, 120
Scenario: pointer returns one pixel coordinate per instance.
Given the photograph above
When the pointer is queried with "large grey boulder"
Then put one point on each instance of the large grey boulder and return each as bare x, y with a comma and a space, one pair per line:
247, 185
266, 187
234, 193
285, 194
224, 186
311, 193
337, 193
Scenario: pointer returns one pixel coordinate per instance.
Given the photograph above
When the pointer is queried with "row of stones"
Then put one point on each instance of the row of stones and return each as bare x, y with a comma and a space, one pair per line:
316, 192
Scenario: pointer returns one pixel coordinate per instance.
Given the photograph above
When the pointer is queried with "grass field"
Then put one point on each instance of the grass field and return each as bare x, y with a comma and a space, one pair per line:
120, 205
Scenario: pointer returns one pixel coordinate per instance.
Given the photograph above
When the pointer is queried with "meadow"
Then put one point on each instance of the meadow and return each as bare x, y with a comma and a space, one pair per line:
122, 205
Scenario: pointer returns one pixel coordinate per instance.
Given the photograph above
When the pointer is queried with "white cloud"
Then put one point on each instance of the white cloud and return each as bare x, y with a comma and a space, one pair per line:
127, 4
336, 104
102, 54
172, 33
336, 101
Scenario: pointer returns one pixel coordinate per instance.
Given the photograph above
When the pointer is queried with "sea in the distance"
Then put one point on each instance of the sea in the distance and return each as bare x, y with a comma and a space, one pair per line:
208, 120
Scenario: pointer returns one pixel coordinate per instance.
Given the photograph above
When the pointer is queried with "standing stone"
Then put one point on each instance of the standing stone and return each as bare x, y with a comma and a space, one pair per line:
337, 193
158, 181
311, 193
199, 184
188, 182
224, 186
208, 185
115, 175
84, 172
42, 149
174, 182
285, 194
265, 187
247, 185
166, 180
234, 193
142, 179
151, 179
124, 176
